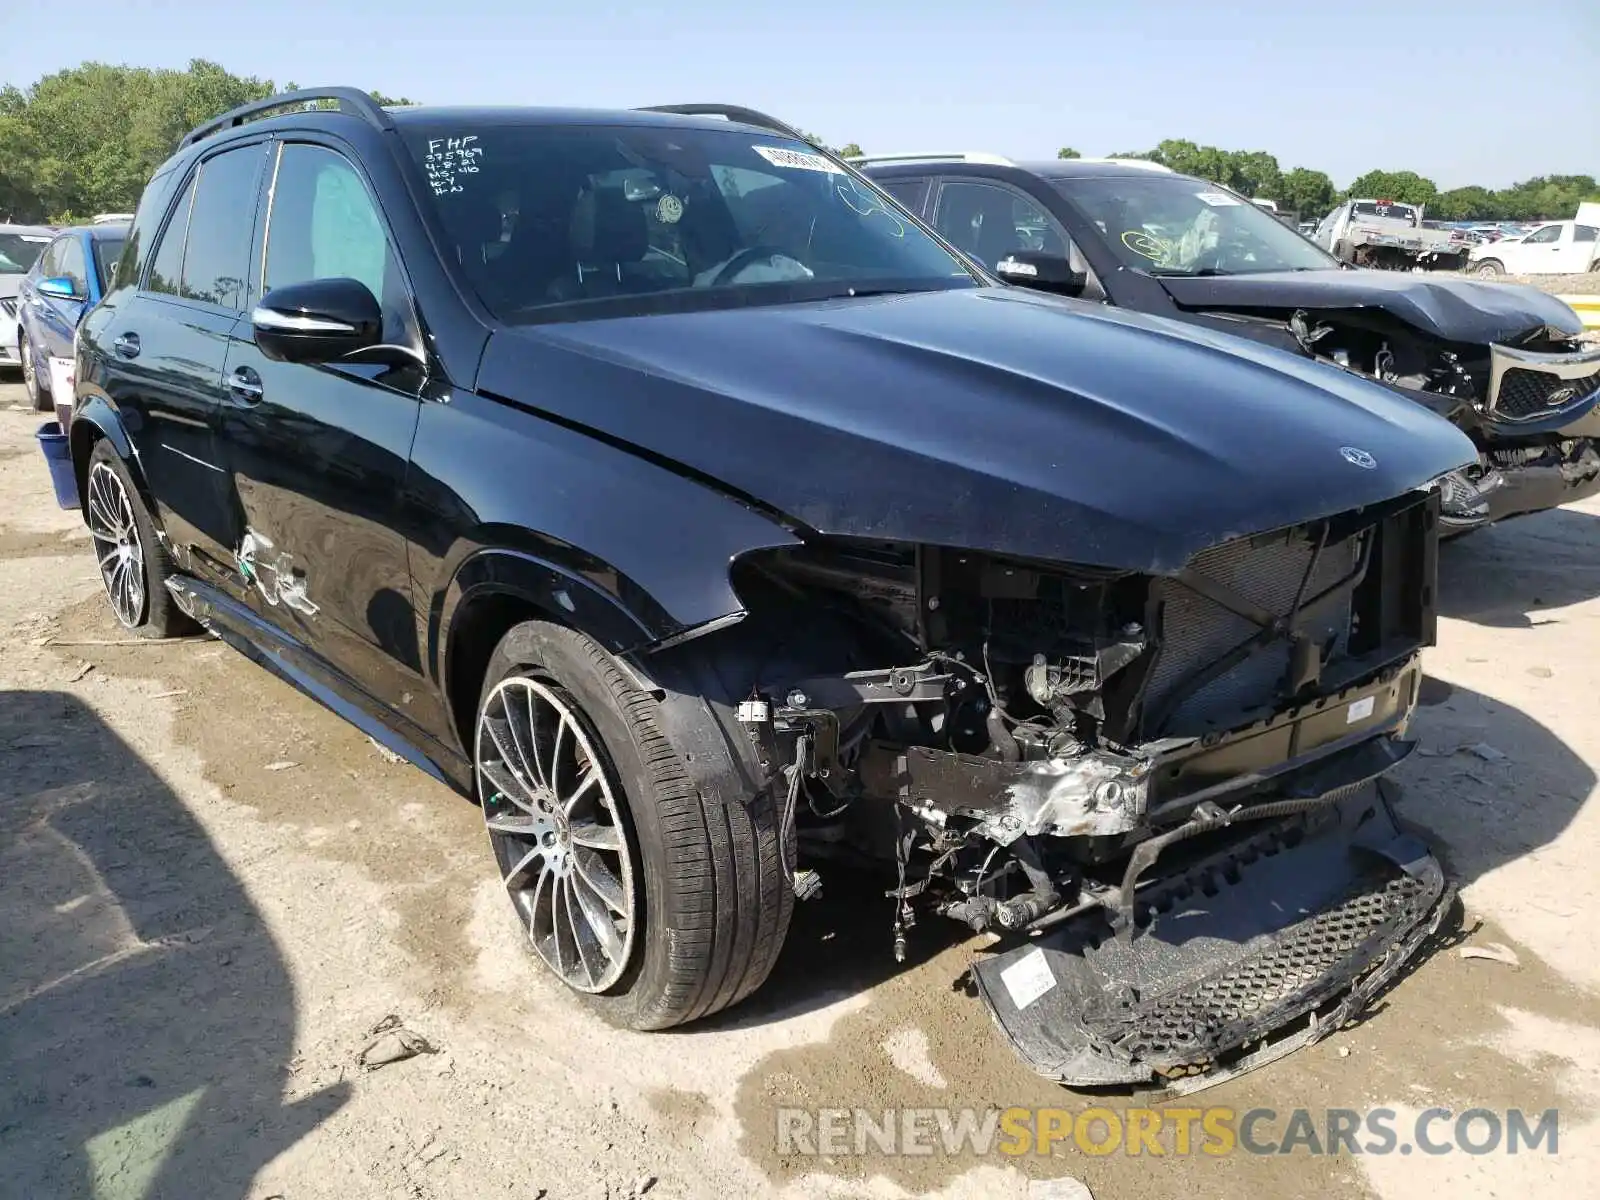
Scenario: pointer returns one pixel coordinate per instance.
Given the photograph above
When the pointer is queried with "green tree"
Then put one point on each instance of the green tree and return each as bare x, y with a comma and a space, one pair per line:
850, 150
86, 139
1067, 152
1309, 193
1406, 187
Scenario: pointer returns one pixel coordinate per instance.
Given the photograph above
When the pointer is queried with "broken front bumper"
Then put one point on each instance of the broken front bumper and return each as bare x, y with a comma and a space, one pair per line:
1295, 923
1516, 481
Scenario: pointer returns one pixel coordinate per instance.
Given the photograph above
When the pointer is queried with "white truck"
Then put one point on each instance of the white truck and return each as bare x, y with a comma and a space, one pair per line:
1390, 236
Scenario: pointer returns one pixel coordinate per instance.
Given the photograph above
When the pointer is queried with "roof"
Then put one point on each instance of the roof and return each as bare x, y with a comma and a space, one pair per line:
35, 230
101, 232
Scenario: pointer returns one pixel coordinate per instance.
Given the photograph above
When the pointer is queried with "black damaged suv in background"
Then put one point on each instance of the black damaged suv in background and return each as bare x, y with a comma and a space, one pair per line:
656, 480
1504, 362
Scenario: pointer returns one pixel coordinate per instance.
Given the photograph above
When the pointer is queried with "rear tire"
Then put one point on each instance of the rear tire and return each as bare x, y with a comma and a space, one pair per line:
1489, 268
697, 901
134, 565
1344, 252
38, 391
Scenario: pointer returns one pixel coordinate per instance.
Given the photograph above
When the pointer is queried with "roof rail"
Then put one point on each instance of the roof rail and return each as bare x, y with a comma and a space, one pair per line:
1146, 163
733, 112
971, 156
350, 100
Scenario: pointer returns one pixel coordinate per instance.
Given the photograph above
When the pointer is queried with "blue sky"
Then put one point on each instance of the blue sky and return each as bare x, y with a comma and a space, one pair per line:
1464, 91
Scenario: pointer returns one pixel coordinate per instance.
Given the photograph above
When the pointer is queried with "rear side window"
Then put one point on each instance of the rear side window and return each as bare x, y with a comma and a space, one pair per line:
216, 256
169, 254
1583, 233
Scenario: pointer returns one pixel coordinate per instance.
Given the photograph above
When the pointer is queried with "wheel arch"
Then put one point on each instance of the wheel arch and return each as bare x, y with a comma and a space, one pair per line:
95, 421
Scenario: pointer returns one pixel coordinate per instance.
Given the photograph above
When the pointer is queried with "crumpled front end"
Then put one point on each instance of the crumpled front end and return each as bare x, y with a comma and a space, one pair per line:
1163, 788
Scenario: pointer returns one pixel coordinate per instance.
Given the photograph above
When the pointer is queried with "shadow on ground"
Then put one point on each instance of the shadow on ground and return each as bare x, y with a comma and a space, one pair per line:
146, 1017
1504, 575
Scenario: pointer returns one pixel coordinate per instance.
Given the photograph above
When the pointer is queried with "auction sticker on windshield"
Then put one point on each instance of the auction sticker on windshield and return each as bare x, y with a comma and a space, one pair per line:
1216, 199
797, 159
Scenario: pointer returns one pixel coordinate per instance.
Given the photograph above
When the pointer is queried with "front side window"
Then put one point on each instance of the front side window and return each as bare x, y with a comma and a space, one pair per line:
1539, 237
168, 262
1173, 225
989, 222
216, 256
324, 225
50, 260
910, 192
71, 264
107, 252
539, 218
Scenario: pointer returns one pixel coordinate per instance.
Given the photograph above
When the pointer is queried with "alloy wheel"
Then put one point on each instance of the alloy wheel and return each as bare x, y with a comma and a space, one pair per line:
30, 378
551, 806
116, 543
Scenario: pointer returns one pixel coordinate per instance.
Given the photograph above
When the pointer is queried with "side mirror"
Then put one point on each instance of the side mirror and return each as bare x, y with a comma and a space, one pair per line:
58, 287
318, 321
1046, 272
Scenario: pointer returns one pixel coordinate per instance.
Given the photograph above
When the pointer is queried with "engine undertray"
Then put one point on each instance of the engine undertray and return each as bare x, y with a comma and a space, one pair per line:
1305, 918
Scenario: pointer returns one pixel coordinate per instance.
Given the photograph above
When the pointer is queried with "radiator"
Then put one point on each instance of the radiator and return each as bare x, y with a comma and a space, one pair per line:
1196, 632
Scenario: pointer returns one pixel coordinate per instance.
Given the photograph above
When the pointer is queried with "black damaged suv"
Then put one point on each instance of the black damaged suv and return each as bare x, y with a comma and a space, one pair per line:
656, 480
1504, 362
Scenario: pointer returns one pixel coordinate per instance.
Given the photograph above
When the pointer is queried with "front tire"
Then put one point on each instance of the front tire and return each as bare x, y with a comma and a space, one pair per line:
134, 565
1489, 268
656, 901
38, 391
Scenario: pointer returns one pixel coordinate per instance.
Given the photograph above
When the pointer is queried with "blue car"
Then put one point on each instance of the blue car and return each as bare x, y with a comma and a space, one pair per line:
65, 282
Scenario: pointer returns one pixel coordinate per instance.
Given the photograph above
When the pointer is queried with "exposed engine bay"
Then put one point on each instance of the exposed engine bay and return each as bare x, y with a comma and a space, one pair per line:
1165, 790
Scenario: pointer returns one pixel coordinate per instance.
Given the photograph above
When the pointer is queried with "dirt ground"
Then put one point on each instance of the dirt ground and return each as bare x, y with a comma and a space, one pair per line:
212, 891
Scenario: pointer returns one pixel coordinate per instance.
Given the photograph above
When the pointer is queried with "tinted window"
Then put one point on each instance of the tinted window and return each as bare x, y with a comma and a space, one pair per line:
71, 265
168, 262
539, 216
216, 257
107, 251
324, 225
136, 252
989, 222
910, 192
1583, 233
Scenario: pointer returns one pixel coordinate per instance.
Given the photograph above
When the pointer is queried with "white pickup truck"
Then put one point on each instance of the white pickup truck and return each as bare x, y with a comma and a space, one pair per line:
1390, 236
1554, 248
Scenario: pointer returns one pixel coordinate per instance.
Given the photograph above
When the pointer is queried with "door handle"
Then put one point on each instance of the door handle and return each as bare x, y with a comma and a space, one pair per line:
127, 345
244, 385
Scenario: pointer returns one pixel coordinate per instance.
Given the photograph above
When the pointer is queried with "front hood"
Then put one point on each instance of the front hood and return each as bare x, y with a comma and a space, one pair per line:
989, 419
1454, 309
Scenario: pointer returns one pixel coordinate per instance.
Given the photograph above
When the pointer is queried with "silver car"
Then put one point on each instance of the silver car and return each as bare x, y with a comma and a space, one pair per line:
20, 247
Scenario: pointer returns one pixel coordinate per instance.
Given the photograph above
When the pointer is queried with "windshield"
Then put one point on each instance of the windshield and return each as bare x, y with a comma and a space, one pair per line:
1172, 225
19, 251
659, 218
106, 253
1389, 212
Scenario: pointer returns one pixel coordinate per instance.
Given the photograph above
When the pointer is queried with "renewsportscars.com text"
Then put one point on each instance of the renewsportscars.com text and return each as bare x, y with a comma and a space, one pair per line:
1215, 1131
